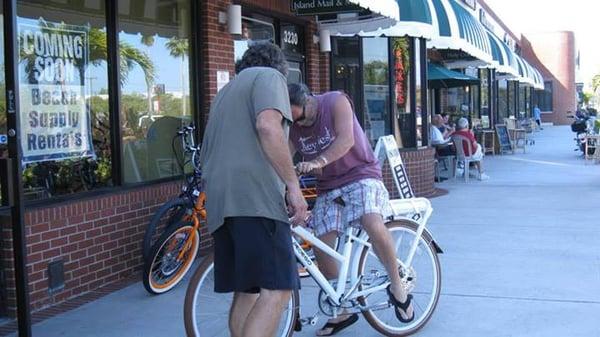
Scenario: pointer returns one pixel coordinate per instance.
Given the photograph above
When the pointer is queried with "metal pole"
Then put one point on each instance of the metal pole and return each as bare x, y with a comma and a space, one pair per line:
11, 54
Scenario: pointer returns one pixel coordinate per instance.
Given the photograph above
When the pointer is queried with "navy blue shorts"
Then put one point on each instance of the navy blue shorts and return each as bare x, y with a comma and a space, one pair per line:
253, 253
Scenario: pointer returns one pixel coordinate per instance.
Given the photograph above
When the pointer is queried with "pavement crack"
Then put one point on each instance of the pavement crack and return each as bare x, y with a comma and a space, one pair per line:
516, 298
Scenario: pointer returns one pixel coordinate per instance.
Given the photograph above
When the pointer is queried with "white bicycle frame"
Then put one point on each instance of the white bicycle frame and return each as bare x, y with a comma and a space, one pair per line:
348, 266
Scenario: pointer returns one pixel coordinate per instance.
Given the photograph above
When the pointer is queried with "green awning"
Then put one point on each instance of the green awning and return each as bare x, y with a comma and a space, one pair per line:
440, 77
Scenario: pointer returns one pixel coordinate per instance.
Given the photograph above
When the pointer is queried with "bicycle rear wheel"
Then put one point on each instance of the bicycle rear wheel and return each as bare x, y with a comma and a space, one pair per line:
170, 213
206, 313
171, 258
423, 278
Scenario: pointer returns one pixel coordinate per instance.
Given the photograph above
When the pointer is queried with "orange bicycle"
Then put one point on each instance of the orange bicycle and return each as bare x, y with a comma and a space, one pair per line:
172, 255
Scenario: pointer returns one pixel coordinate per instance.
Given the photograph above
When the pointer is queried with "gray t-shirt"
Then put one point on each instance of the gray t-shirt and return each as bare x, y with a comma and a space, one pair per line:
239, 179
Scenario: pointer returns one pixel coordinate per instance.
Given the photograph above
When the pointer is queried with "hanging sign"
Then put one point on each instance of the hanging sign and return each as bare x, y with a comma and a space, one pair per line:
470, 3
314, 7
55, 120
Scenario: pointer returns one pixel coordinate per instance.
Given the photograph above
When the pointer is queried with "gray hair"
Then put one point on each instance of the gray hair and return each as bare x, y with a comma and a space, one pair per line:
263, 54
463, 123
298, 94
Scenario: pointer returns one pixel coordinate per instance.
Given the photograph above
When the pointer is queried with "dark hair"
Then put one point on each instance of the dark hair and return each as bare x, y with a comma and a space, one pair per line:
298, 93
263, 54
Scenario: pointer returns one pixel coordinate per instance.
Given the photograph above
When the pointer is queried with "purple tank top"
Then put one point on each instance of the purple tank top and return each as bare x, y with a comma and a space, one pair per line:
358, 163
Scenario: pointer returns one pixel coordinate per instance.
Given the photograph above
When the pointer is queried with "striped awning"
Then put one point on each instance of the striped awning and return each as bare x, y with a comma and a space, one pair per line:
503, 59
384, 14
416, 20
457, 29
528, 75
534, 77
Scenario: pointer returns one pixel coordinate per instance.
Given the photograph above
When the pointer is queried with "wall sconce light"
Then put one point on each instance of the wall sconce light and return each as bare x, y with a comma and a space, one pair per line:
234, 19
325, 40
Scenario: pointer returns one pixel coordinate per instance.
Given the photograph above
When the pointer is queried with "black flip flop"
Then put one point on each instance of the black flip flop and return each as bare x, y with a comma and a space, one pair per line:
402, 305
339, 326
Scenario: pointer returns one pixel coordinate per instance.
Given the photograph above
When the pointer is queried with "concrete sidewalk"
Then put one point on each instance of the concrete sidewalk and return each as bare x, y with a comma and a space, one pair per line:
521, 258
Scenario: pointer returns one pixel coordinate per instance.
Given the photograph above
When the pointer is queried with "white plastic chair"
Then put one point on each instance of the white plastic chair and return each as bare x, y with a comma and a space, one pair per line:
461, 156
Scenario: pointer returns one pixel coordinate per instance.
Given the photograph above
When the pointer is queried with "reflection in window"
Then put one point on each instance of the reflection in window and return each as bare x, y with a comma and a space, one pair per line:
155, 90
377, 121
63, 98
419, 115
404, 130
253, 29
3, 139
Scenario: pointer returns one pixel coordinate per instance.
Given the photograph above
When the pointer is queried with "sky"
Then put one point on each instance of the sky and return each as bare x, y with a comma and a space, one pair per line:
579, 16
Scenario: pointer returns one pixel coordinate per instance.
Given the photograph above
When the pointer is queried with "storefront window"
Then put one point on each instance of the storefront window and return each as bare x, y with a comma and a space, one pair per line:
63, 97
473, 98
155, 87
256, 28
502, 101
484, 75
377, 120
404, 130
523, 111
512, 99
543, 98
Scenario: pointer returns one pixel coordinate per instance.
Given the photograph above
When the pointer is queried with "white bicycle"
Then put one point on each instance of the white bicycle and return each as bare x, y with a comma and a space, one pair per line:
363, 285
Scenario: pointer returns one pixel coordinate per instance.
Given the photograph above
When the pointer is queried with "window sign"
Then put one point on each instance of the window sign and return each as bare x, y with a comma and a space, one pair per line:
55, 120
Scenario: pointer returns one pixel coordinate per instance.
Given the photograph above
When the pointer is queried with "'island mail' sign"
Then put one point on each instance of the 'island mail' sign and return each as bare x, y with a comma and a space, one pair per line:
314, 7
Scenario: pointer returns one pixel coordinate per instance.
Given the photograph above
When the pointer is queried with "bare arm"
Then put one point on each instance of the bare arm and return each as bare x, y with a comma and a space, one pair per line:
343, 118
272, 140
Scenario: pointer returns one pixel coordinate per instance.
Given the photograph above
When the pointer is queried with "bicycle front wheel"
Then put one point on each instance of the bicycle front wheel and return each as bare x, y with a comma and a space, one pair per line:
171, 258
422, 278
170, 213
206, 313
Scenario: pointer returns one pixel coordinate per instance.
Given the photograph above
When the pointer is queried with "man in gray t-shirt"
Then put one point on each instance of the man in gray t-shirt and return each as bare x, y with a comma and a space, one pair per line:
246, 167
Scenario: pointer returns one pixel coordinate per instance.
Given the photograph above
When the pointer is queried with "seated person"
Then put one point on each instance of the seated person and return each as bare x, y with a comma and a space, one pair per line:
463, 130
445, 123
441, 140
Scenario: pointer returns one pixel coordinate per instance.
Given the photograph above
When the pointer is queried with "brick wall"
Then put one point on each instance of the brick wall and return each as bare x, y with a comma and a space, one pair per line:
554, 53
419, 164
98, 239
218, 51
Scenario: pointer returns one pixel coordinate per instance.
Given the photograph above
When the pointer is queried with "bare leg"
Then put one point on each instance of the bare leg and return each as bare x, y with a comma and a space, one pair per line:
383, 246
240, 308
329, 267
264, 317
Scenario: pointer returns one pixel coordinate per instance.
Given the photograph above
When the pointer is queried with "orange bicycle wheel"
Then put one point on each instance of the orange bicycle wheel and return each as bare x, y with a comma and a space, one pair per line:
171, 258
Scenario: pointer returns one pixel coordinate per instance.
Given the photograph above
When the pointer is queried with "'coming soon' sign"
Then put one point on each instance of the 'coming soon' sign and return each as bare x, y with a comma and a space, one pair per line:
55, 121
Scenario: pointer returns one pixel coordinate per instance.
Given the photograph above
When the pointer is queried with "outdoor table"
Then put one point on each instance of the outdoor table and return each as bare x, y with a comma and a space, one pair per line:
487, 139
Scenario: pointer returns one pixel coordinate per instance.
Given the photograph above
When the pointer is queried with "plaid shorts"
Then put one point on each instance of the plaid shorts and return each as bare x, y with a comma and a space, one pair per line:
336, 209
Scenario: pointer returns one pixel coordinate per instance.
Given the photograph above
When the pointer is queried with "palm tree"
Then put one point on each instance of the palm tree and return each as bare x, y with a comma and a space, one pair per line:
596, 82
179, 48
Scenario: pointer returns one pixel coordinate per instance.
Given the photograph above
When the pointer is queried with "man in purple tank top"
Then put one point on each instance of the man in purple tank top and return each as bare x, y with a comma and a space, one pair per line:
334, 147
